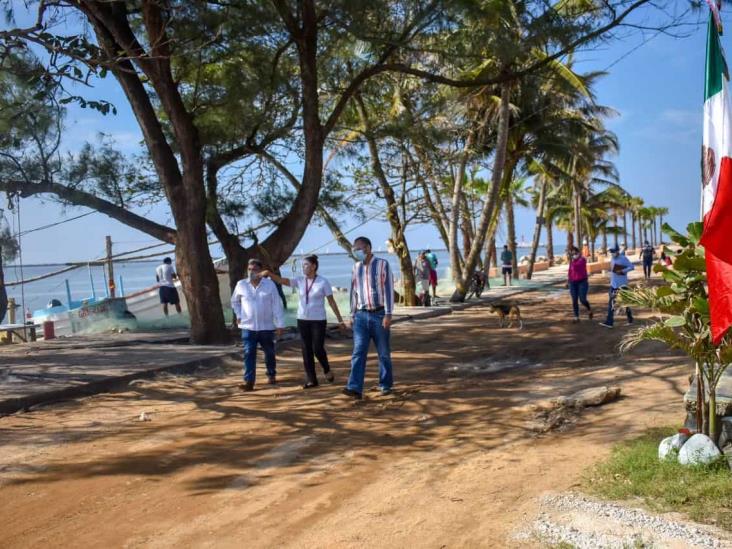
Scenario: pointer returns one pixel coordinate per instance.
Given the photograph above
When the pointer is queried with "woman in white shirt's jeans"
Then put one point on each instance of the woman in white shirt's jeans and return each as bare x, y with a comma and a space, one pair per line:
312, 290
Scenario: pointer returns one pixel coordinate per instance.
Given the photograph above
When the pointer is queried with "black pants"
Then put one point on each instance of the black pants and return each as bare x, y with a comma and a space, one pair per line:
312, 342
647, 267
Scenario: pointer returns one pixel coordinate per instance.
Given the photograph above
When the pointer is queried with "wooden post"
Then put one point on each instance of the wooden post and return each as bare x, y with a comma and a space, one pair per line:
11, 310
110, 267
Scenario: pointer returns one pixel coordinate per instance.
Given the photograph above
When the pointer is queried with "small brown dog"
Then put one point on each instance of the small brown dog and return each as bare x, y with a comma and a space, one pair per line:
508, 315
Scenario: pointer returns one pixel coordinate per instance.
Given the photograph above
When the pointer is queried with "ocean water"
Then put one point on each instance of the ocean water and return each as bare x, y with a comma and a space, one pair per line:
138, 275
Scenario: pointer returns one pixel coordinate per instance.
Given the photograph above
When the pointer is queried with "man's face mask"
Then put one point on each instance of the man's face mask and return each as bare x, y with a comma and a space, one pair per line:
359, 254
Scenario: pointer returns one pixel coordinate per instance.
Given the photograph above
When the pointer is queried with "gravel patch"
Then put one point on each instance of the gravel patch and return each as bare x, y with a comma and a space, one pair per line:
585, 523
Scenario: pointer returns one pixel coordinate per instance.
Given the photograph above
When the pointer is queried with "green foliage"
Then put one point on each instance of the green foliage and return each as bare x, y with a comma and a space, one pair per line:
633, 470
682, 308
8, 245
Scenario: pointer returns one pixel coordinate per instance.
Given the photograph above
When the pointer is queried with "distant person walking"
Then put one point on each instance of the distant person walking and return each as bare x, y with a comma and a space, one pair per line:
258, 309
313, 290
620, 266
422, 275
506, 265
578, 282
432, 258
665, 260
372, 303
647, 255
166, 277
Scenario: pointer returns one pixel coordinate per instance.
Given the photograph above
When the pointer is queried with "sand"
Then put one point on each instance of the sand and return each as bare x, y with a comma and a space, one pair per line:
448, 460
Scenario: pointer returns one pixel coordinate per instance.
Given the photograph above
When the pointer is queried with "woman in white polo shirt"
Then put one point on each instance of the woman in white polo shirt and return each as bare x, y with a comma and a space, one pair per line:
312, 290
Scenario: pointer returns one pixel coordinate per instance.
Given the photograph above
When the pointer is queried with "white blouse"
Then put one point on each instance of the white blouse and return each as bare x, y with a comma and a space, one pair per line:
312, 294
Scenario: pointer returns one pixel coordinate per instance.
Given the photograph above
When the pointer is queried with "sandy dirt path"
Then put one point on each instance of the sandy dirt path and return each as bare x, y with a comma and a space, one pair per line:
445, 461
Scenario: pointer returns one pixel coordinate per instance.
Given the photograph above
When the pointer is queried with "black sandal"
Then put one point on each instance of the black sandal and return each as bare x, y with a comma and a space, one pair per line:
309, 385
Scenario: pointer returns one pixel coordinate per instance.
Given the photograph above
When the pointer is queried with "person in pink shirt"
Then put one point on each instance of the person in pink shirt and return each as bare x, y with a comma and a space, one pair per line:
578, 284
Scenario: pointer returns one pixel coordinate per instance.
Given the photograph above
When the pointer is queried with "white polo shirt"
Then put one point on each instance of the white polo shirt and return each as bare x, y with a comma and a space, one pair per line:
312, 294
258, 308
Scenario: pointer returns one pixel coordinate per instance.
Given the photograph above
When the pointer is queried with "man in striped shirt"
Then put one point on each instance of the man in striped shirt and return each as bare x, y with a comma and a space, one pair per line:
372, 303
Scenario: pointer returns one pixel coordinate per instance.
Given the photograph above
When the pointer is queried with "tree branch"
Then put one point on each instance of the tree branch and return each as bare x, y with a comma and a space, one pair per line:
82, 198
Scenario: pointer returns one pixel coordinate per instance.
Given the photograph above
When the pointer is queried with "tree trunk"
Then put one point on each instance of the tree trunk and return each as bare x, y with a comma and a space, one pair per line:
699, 399
660, 228
537, 229
511, 232
615, 227
3, 290
603, 241
625, 229
577, 203
466, 226
570, 239
592, 249
457, 193
461, 285
398, 236
550, 241
632, 228
712, 413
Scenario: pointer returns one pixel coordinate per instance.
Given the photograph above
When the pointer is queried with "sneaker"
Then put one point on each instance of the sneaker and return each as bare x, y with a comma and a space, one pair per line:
385, 392
606, 325
575, 319
353, 394
272, 380
247, 386
329, 377
309, 385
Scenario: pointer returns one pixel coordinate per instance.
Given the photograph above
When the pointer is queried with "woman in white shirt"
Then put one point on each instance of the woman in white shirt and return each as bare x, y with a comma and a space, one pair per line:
312, 290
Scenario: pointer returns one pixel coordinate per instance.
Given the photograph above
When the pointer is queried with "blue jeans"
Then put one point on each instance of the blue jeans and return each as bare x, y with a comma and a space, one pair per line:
266, 340
611, 308
578, 290
368, 326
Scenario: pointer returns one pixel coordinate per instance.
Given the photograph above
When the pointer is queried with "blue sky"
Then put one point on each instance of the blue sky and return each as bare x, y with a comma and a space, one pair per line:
656, 88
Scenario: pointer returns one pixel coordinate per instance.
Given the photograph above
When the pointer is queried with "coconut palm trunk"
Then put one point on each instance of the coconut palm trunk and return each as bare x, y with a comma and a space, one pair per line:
550, 241
537, 229
632, 228
511, 230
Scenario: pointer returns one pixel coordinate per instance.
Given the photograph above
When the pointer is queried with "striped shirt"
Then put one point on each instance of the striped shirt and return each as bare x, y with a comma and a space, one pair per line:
372, 286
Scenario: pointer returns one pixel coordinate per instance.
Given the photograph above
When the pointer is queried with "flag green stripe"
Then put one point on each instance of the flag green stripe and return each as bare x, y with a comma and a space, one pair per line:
716, 69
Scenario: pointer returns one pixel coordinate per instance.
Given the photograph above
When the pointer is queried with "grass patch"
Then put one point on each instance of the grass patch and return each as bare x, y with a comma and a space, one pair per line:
633, 470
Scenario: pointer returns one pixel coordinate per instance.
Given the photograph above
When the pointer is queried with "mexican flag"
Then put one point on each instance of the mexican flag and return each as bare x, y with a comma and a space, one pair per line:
717, 180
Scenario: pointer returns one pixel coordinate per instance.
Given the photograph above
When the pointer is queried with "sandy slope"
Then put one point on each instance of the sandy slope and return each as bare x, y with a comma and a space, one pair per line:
445, 461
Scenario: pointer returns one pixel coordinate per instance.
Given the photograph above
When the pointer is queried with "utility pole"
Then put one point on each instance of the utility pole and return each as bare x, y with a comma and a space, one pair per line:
110, 267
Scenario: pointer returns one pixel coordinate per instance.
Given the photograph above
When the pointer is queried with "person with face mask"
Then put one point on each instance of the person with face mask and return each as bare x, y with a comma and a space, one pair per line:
313, 290
372, 304
259, 313
578, 282
620, 266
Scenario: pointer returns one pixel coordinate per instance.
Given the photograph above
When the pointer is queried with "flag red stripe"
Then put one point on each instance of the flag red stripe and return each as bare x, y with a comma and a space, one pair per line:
719, 277
717, 242
717, 235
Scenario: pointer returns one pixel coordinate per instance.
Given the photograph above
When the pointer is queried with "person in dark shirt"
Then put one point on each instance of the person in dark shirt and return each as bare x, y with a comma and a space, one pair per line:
647, 254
